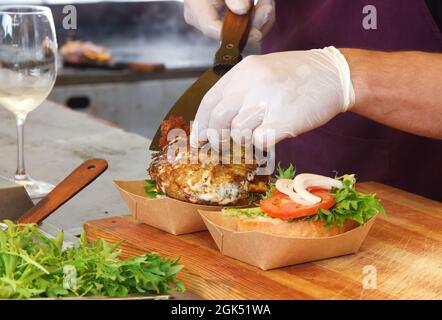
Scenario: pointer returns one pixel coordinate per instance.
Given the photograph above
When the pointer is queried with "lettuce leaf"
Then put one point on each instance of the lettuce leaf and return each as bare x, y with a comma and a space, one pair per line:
249, 212
151, 189
350, 204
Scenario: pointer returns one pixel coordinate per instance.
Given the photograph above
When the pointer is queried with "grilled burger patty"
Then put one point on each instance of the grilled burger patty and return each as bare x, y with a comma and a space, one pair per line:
203, 182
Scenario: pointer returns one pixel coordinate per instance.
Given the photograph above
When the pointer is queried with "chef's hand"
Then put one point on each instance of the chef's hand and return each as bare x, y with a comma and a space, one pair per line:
205, 15
284, 94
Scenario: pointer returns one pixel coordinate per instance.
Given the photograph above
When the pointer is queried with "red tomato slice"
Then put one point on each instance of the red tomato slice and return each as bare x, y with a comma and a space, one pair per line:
276, 192
281, 206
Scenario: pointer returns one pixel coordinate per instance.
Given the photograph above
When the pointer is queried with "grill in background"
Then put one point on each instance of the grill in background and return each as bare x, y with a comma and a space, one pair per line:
140, 31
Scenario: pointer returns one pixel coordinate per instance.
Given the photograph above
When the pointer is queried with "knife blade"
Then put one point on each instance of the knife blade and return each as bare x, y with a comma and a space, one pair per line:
234, 35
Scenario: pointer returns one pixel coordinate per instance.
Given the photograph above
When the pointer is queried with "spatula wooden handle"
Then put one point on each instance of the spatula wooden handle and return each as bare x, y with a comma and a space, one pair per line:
234, 36
65, 190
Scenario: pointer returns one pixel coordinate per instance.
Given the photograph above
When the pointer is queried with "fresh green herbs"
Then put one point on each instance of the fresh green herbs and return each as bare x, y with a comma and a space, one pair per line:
33, 265
350, 204
288, 173
151, 189
249, 212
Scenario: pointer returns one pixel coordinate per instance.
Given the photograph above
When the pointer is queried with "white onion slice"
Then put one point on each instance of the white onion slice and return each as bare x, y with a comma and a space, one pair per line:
298, 199
304, 180
286, 186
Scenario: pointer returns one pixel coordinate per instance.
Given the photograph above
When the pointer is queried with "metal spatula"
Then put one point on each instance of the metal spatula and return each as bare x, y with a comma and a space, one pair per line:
235, 33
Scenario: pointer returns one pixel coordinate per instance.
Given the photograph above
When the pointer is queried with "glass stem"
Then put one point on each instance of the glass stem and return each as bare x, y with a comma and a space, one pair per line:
21, 171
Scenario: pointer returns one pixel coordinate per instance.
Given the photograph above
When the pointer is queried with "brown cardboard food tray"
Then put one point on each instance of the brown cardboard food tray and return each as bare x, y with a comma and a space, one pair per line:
170, 215
269, 251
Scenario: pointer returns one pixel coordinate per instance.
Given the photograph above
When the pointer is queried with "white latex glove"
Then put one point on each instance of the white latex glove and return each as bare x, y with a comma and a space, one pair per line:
287, 93
205, 15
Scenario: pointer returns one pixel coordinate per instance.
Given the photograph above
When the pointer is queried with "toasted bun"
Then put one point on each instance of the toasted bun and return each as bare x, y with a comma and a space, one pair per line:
299, 229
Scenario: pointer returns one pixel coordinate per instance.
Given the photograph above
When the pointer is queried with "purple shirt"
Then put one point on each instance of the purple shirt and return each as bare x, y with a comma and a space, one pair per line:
351, 143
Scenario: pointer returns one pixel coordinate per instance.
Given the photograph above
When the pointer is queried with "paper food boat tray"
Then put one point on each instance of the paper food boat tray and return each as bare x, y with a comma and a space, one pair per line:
269, 251
170, 215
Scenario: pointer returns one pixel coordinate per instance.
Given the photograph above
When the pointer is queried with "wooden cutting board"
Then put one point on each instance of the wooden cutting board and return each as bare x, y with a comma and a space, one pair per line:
405, 252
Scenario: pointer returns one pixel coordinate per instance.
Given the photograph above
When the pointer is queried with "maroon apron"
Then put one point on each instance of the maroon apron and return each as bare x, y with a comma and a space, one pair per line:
351, 143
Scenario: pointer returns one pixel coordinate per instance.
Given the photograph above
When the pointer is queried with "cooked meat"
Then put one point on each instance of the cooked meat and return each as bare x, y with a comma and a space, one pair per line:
259, 187
78, 52
202, 182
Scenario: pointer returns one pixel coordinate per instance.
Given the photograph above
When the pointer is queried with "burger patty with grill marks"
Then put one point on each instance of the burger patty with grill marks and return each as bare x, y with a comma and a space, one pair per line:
203, 182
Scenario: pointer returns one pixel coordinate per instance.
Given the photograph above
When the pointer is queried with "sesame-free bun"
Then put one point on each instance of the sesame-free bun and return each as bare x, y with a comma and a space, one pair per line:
297, 229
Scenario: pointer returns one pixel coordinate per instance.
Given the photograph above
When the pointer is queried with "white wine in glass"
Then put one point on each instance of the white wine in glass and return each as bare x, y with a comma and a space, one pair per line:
28, 69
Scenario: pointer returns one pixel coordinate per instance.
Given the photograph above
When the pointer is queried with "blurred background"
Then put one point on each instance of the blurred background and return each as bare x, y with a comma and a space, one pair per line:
152, 32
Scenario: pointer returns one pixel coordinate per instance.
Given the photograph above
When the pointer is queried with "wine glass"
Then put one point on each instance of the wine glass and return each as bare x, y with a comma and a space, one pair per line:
28, 68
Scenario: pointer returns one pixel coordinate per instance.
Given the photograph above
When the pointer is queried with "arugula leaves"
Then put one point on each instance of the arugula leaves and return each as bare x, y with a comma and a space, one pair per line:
151, 189
33, 265
288, 173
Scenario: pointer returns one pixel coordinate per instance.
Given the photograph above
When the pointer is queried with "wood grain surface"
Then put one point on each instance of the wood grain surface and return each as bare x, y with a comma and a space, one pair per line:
405, 251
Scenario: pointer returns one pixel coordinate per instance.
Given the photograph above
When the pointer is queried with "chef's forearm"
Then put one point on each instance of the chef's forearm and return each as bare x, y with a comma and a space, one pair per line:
402, 90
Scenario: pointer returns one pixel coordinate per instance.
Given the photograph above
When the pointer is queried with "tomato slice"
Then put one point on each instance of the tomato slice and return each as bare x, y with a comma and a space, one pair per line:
280, 205
276, 192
